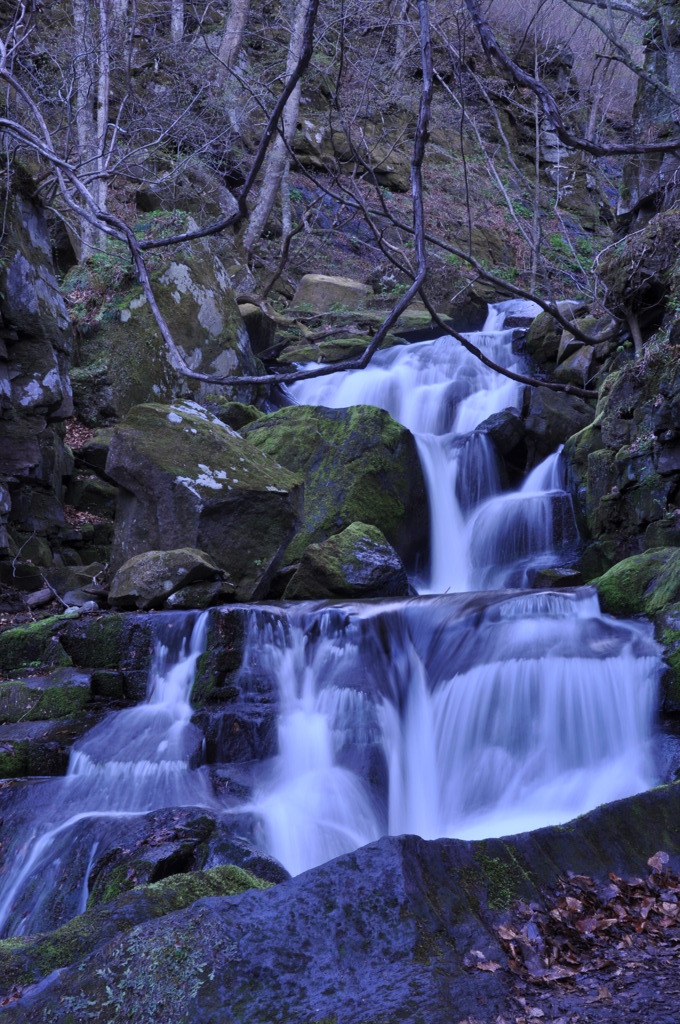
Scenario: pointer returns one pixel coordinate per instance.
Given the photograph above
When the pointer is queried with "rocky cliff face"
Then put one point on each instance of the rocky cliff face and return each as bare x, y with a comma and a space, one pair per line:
35, 392
649, 179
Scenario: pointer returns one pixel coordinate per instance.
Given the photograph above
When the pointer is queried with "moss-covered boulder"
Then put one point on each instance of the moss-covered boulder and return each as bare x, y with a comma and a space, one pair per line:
358, 562
123, 358
358, 465
25, 961
63, 694
649, 584
147, 580
235, 414
187, 480
34, 645
642, 585
374, 936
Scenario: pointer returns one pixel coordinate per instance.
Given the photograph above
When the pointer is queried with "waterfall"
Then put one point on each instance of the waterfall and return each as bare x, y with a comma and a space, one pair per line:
448, 716
470, 711
479, 537
134, 761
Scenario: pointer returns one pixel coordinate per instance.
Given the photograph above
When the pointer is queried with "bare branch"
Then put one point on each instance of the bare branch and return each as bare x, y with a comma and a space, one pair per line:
548, 103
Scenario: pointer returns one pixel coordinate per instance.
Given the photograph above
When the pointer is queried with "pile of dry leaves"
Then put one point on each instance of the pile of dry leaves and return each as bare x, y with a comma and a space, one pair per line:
593, 953
587, 919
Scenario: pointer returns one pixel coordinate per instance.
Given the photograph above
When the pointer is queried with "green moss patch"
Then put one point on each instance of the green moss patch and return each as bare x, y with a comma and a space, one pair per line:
641, 585
23, 961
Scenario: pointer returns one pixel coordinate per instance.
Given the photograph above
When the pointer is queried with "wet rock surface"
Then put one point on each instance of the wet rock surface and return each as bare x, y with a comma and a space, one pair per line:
358, 562
380, 934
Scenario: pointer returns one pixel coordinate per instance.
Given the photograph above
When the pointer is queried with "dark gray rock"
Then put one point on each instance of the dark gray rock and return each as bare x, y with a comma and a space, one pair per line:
378, 935
187, 480
358, 562
148, 580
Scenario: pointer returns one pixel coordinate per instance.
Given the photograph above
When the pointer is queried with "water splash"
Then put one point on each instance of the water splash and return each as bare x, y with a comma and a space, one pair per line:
452, 717
135, 761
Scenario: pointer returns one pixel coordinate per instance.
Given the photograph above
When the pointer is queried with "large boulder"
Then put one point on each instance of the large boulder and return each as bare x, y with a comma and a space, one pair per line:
359, 562
123, 359
400, 930
550, 418
147, 580
641, 585
649, 584
358, 464
187, 480
322, 293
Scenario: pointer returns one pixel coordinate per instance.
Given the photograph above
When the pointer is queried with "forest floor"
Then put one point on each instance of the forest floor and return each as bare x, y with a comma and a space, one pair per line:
594, 953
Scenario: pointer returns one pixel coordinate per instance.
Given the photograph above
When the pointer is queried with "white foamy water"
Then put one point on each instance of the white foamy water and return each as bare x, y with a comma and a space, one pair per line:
135, 761
442, 393
447, 720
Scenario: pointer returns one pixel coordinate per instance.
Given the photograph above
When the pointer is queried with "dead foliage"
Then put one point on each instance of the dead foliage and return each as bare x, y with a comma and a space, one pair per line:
589, 923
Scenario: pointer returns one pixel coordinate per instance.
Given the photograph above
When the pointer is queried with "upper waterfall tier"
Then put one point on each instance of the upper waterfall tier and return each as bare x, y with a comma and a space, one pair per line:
481, 537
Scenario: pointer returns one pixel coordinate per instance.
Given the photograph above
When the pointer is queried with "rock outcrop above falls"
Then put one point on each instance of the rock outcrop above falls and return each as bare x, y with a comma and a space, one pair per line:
36, 344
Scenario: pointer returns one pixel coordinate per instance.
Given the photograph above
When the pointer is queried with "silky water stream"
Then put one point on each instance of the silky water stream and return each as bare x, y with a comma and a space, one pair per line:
479, 708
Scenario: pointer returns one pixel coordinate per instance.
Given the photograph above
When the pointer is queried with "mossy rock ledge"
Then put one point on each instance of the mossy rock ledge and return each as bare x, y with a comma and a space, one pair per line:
358, 465
189, 481
649, 584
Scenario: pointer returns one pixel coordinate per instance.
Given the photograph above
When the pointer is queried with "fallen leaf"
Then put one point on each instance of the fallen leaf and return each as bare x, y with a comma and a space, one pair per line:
488, 965
658, 862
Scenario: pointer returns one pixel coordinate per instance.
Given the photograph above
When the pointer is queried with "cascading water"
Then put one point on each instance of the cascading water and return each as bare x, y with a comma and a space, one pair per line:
465, 714
134, 761
452, 716
442, 393
438, 716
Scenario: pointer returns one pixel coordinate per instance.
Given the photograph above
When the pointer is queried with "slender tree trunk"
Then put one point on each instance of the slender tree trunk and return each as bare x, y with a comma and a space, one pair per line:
278, 161
176, 20
232, 37
102, 114
92, 24
84, 72
402, 34
536, 223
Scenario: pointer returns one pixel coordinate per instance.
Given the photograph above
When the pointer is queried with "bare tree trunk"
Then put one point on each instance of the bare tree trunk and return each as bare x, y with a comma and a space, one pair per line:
635, 332
536, 221
232, 37
85, 130
278, 161
176, 20
119, 8
403, 30
92, 69
102, 115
